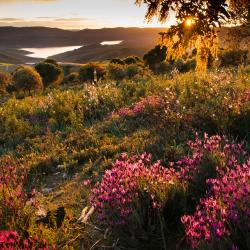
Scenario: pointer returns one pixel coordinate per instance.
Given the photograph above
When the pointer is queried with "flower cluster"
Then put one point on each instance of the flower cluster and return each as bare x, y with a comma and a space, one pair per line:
227, 206
117, 196
13, 195
11, 240
149, 103
217, 146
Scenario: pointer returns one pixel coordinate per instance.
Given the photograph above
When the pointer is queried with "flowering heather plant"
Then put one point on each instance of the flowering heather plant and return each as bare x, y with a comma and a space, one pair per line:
148, 104
217, 147
225, 212
118, 195
11, 240
13, 196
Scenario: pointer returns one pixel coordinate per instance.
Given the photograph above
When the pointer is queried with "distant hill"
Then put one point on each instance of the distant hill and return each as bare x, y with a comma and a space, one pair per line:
135, 41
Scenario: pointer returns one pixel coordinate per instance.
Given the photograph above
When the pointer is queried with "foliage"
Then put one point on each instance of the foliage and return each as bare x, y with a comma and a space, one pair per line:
26, 79
116, 72
196, 23
5, 79
66, 140
155, 56
117, 61
11, 240
233, 58
86, 72
131, 60
72, 78
51, 73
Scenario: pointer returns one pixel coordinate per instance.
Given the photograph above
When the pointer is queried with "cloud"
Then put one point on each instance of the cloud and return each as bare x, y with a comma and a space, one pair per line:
55, 22
10, 19
74, 19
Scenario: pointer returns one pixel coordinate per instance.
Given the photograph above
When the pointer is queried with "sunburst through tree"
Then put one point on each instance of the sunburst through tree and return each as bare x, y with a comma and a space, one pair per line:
197, 24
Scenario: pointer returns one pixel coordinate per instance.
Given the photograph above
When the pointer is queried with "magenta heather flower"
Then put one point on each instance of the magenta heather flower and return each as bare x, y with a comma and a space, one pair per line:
149, 103
117, 195
11, 240
227, 204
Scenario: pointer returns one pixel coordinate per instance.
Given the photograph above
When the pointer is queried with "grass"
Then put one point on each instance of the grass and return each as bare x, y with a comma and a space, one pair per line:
68, 136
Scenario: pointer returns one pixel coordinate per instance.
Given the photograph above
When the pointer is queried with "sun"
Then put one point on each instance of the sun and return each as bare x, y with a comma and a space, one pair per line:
189, 21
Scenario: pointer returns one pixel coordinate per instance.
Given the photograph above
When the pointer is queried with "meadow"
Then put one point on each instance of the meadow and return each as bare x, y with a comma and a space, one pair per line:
134, 161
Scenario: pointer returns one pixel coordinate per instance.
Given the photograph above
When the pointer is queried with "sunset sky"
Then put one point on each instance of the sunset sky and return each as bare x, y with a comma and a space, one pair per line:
73, 14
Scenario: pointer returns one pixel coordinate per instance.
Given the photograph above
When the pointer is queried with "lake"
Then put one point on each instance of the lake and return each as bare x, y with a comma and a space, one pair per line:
110, 42
49, 51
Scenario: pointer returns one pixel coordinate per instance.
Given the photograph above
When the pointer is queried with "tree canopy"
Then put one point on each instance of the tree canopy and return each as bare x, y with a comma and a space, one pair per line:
25, 78
51, 73
196, 21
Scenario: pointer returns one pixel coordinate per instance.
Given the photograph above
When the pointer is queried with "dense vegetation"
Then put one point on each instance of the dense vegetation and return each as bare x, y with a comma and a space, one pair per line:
136, 160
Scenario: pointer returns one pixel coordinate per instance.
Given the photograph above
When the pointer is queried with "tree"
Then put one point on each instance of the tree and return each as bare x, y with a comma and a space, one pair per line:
86, 73
4, 81
52, 61
196, 23
25, 78
155, 56
51, 74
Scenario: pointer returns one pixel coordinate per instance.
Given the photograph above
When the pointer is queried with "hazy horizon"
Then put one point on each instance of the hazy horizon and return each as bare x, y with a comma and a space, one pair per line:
74, 14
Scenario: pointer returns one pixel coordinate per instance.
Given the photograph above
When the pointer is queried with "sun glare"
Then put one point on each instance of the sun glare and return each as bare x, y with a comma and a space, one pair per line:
189, 21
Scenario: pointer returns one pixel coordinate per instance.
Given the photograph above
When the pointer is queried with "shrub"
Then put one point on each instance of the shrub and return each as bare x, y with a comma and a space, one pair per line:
5, 79
116, 72
155, 56
224, 214
26, 79
51, 61
132, 70
131, 182
131, 60
72, 78
12, 240
86, 73
117, 61
233, 58
14, 199
51, 74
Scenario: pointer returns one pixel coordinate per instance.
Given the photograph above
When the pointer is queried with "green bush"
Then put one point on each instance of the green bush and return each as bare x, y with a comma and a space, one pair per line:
233, 58
26, 79
51, 73
86, 73
132, 70
117, 61
5, 80
155, 57
131, 60
72, 78
116, 72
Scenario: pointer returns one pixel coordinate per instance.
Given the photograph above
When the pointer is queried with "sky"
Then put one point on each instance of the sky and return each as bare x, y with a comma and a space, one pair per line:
74, 14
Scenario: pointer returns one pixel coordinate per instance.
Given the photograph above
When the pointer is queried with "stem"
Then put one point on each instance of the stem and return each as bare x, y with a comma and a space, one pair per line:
162, 232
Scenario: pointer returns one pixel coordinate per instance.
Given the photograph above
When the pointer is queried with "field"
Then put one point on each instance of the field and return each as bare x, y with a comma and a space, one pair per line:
129, 164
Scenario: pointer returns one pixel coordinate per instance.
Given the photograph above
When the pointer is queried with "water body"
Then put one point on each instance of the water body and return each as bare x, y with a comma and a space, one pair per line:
110, 42
49, 51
